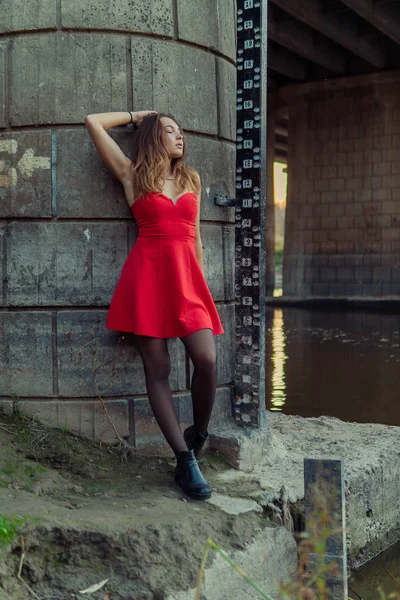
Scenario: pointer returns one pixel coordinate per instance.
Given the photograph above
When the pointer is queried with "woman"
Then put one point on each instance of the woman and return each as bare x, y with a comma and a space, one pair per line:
162, 292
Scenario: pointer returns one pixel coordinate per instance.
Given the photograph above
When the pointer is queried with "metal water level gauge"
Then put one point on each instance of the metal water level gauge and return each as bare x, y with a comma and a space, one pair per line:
250, 209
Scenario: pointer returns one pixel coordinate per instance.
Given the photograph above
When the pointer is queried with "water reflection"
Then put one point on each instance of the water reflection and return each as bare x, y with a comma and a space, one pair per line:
278, 359
343, 364
383, 572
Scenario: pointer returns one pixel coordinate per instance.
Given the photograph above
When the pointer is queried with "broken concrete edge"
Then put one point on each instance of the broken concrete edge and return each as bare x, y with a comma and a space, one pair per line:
243, 449
273, 458
270, 559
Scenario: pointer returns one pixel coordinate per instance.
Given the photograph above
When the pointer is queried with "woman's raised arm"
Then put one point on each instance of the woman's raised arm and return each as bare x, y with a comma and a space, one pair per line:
97, 126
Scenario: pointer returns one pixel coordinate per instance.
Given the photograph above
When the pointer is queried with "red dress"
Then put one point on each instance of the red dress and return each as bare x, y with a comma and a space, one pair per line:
162, 292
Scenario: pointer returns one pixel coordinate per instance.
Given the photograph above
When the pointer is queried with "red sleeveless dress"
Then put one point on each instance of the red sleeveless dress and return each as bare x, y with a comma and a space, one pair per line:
161, 291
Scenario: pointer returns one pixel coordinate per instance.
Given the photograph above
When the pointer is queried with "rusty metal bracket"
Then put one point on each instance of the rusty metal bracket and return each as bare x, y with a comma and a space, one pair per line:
222, 200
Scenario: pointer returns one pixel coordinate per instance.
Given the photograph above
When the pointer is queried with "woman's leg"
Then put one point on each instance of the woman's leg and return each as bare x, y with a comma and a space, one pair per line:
202, 351
157, 366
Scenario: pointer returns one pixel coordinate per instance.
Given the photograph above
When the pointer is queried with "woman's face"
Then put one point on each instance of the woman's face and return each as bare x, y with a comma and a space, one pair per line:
173, 137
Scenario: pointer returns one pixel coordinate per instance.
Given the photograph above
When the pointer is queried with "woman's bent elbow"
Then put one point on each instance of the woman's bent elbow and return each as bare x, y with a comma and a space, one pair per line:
89, 121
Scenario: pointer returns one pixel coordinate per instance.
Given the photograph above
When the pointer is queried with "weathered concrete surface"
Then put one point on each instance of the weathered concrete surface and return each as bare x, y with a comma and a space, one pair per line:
234, 506
2, 256
221, 409
94, 66
3, 53
145, 16
219, 251
26, 354
66, 228
214, 160
176, 90
18, 15
86, 418
209, 23
42, 270
226, 74
92, 191
243, 449
225, 364
372, 478
84, 346
268, 560
25, 174
147, 438
132, 418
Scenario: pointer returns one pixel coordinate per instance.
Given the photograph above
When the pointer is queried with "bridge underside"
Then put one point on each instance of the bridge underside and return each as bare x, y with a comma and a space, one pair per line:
334, 117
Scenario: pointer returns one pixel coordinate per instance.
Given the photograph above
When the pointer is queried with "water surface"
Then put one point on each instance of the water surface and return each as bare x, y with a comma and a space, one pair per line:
345, 365
336, 363
383, 572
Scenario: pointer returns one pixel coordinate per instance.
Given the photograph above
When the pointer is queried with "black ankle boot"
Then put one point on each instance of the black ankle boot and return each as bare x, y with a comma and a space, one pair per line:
189, 478
194, 440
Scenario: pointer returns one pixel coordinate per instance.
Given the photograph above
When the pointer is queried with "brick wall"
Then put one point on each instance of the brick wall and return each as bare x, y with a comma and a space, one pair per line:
342, 235
65, 227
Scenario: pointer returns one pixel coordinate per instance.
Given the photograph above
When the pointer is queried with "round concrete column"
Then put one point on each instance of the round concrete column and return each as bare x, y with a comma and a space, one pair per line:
65, 227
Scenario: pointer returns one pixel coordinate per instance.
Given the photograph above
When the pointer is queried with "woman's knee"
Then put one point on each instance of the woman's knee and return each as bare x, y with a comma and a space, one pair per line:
156, 360
155, 357
157, 367
206, 361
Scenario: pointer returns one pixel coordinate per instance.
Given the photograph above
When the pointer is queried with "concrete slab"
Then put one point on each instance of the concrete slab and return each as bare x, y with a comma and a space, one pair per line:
226, 77
20, 15
213, 159
3, 234
93, 65
269, 558
25, 173
83, 417
202, 29
41, 266
242, 448
221, 409
92, 191
370, 453
225, 343
83, 343
234, 506
213, 26
26, 365
86, 188
215, 238
227, 27
146, 16
3, 54
159, 85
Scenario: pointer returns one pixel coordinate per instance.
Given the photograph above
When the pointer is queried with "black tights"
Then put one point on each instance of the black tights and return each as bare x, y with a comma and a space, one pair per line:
157, 366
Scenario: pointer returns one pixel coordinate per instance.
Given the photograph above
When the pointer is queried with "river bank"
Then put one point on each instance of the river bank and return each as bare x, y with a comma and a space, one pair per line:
87, 517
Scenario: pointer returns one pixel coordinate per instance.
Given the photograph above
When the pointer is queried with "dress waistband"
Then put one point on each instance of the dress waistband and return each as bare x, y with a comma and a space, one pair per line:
165, 237
167, 230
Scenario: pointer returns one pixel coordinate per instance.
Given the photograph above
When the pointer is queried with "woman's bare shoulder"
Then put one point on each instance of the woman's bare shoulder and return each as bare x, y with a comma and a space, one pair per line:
195, 179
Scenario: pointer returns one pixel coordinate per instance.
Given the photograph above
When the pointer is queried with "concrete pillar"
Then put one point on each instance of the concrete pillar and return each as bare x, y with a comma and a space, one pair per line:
65, 227
343, 211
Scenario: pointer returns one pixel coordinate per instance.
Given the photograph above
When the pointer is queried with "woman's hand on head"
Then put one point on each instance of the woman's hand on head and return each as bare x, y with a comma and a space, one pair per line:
138, 116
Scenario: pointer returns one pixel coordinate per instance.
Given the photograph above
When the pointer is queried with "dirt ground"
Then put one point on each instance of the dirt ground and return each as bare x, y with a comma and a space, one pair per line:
84, 516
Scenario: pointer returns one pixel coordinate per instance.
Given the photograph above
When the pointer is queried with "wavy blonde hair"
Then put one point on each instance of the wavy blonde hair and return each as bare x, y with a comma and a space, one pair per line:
150, 160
